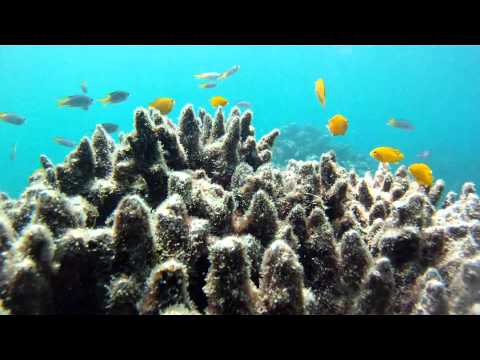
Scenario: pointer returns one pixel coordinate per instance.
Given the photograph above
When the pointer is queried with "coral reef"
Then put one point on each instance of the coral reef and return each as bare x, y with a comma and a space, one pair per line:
194, 219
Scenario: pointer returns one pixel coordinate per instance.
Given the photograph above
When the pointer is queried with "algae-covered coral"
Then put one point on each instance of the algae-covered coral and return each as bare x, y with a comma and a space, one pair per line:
194, 219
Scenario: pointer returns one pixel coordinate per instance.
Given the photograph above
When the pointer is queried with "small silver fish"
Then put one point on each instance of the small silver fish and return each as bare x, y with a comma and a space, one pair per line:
60, 140
424, 154
12, 118
244, 104
208, 76
229, 72
80, 101
83, 86
13, 152
208, 85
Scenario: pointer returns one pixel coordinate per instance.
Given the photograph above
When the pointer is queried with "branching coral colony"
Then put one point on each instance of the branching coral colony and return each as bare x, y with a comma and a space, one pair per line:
194, 220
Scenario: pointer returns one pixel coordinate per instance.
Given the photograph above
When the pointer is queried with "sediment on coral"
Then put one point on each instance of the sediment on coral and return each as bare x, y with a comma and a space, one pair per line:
195, 219
230, 269
281, 281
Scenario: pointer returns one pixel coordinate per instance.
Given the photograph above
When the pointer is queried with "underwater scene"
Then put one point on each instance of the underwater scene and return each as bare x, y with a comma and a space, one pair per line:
239, 180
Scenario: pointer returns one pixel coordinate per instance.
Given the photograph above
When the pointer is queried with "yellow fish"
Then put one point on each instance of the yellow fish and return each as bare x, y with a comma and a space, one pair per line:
422, 174
320, 91
338, 125
218, 101
164, 105
386, 154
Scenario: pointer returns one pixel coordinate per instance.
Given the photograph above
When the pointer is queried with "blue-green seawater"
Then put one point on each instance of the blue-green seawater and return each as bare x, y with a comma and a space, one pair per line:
436, 88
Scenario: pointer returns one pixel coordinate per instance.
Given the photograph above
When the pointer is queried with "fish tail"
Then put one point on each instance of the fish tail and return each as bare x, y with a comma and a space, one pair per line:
223, 76
105, 100
198, 76
2, 115
203, 86
62, 102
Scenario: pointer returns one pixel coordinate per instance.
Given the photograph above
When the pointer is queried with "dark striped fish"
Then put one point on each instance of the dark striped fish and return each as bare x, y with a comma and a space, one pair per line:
12, 118
60, 140
110, 127
400, 124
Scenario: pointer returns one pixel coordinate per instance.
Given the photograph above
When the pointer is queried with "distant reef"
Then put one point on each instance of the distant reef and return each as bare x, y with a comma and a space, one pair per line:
194, 219
308, 142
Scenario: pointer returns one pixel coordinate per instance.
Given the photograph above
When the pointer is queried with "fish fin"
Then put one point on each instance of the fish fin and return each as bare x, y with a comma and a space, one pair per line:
85, 108
105, 100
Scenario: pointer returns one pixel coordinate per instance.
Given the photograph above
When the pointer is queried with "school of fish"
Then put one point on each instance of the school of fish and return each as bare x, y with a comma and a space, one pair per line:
337, 125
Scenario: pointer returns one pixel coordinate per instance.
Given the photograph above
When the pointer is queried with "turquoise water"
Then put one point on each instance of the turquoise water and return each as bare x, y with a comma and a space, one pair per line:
437, 88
